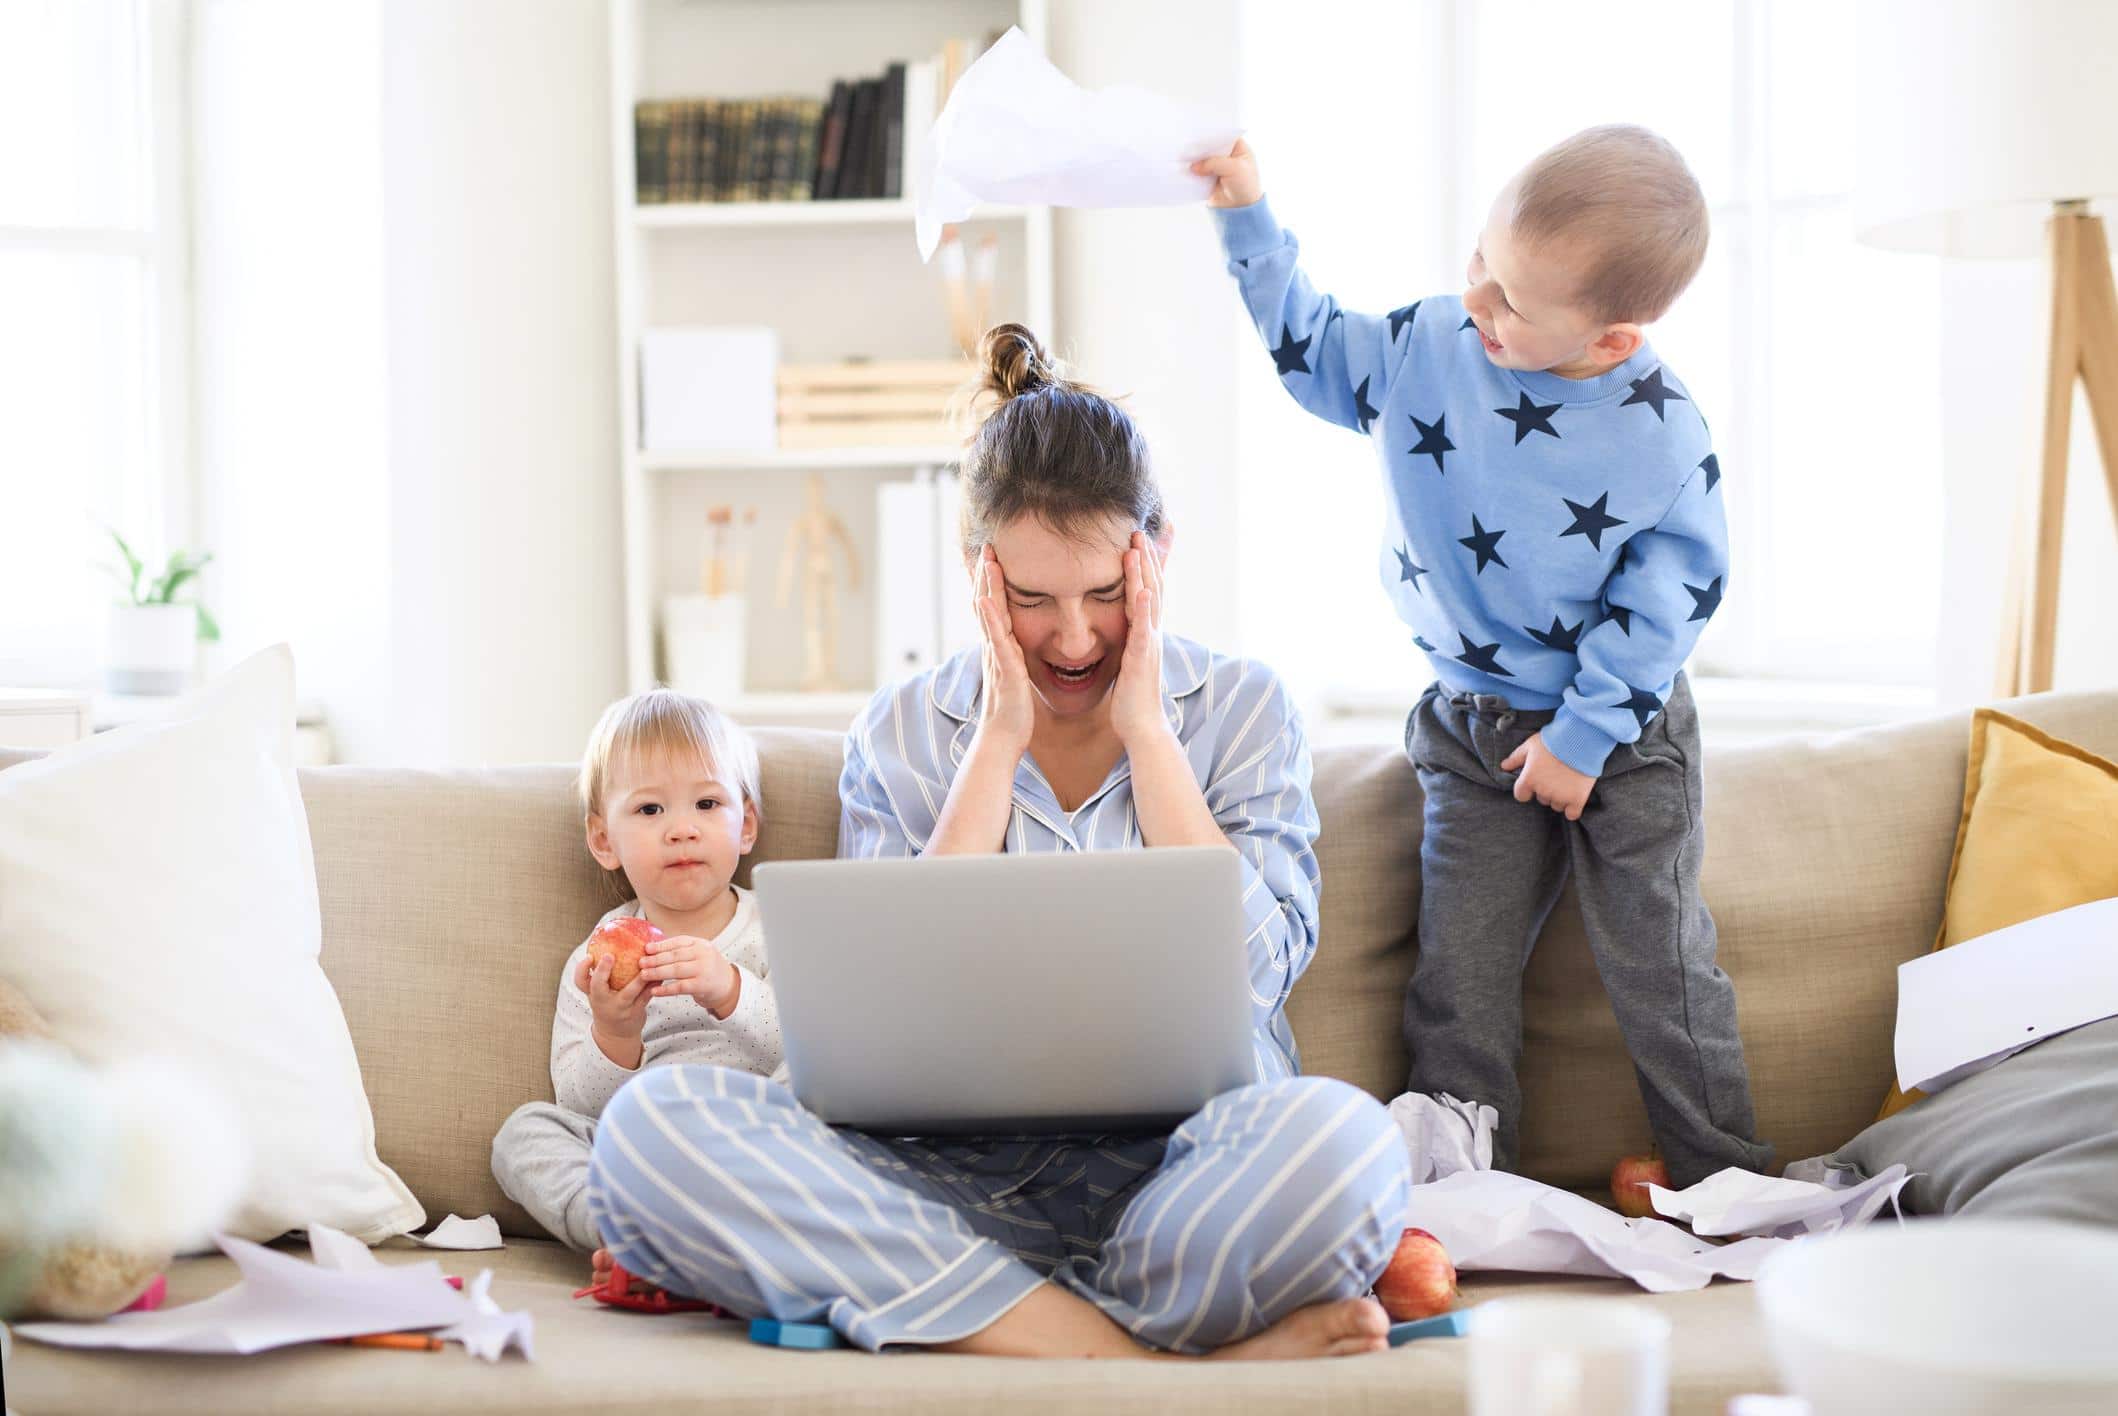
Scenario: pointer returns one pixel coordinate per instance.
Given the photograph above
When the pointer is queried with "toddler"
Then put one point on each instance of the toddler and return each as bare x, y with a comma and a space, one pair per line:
669, 798
1555, 542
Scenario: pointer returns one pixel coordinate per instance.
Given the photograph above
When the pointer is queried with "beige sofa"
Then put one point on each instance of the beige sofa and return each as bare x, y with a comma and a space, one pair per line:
450, 899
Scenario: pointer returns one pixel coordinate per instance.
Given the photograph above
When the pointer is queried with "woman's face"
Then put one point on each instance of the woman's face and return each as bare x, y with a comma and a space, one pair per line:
1066, 602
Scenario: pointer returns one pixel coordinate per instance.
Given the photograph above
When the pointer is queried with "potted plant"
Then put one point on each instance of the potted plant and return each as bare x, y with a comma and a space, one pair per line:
154, 636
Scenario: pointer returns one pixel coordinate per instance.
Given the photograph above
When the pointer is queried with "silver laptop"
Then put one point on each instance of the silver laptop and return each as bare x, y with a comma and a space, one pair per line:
1010, 994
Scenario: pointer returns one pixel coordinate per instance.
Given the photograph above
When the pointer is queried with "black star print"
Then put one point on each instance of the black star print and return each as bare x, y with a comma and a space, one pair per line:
1644, 704
1408, 569
1484, 544
1653, 392
1363, 415
1289, 355
1480, 656
1243, 261
1591, 522
1400, 318
1433, 440
1530, 416
1561, 637
1711, 466
1623, 616
1468, 323
1423, 644
1708, 598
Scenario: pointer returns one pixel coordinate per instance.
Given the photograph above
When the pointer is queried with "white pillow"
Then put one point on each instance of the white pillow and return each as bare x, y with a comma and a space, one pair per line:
158, 899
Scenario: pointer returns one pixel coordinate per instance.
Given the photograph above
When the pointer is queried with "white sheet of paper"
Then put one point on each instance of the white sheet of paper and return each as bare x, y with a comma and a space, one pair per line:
280, 1301
1490, 1219
1966, 1007
456, 1232
1016, 130
1739, 1202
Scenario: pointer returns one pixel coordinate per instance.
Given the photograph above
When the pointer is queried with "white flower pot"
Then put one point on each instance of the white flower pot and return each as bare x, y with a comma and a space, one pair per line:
151, 648
703, 643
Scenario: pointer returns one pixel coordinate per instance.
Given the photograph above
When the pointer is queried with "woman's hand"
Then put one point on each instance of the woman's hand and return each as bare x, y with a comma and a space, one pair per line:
1136, 699
1007, 713
683, 965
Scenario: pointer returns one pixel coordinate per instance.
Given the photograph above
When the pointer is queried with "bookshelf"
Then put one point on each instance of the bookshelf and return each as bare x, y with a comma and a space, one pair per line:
836, 280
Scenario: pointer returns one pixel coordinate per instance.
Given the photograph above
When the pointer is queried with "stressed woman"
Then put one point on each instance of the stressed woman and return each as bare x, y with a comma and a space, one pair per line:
1256, 1227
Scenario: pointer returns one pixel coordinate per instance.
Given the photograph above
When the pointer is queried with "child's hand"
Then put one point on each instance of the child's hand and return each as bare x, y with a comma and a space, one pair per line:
1546, 778
682, 965
620, 1013
1239, 183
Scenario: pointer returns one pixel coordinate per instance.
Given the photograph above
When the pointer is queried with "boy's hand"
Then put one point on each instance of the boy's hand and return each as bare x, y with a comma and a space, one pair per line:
620, 1013
1239, 183
682, 965
1546, 778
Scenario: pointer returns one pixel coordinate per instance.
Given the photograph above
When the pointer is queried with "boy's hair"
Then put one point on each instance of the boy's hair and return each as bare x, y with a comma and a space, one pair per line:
1049, 447
662, 720
1626, 195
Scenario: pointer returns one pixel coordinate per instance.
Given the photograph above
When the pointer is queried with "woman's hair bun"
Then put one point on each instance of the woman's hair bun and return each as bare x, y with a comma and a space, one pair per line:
1014, 362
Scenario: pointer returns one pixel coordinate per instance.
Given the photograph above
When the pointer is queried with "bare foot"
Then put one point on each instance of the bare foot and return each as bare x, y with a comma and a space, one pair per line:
601, 1264
1339, 1329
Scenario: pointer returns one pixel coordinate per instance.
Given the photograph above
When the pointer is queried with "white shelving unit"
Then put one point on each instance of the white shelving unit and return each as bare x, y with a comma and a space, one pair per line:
836, 279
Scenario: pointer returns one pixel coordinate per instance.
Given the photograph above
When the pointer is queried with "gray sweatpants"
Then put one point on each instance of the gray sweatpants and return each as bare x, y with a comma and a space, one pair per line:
540, 1158
1491, 868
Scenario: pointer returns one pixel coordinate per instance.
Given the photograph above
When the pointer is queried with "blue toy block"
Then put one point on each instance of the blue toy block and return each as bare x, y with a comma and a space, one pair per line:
1451, 1324
813, 1337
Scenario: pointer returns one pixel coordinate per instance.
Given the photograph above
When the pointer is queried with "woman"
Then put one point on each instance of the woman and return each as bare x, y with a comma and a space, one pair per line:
1255, 1228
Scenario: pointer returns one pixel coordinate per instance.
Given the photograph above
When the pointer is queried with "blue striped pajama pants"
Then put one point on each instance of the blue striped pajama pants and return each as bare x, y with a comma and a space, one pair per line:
717, 1184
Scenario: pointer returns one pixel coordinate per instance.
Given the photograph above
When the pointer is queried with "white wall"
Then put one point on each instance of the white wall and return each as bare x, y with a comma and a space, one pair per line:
1145, 310
408, 423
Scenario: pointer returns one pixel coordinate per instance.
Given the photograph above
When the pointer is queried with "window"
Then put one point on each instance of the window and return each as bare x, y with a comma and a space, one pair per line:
1384, 130
93, 315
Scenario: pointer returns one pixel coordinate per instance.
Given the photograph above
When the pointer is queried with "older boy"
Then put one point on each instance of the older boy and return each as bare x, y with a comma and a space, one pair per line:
1555, 542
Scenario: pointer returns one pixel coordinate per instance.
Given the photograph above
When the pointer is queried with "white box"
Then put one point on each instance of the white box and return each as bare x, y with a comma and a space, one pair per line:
709, 389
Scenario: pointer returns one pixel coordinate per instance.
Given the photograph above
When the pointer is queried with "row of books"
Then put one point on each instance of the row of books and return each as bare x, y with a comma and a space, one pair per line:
861, 141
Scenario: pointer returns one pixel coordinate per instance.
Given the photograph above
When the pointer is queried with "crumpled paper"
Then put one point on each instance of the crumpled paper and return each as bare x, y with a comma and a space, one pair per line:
1739, 1202
1017, 131
280, 1301
1490, 1219
1443, 1135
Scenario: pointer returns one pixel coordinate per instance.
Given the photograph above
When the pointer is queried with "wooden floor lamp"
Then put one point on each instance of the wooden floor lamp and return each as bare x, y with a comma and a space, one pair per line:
1978, 119
2081, 342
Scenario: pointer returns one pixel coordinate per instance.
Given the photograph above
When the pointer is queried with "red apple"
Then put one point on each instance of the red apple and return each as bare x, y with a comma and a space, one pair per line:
1420, 1281
1630, 1179
625, 939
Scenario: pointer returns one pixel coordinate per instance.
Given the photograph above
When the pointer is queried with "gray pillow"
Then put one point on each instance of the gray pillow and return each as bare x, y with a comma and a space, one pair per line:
2035, 1135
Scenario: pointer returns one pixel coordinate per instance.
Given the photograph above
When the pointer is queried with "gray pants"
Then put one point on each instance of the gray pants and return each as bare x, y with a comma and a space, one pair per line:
540, 1159
1491, 868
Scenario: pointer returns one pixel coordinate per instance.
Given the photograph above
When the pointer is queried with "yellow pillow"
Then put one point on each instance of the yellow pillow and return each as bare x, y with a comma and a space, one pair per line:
2038, 834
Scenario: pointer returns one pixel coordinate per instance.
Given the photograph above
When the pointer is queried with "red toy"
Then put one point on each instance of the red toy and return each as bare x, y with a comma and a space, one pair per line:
617, 1290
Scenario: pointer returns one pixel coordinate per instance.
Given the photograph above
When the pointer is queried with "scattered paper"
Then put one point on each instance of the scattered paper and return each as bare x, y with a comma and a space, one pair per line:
280, 1301
1490, 1219
458, 1233
1964, 1008
1443, 1135
1016, 130
1739, 1202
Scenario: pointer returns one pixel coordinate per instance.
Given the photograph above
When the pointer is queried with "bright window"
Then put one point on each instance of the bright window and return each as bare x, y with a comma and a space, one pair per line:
1813, 356
93, 315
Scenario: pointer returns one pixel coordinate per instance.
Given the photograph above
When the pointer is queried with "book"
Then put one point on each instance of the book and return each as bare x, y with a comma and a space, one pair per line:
854, 162
706, 147
809, 134
650, 152
833, 142
922, 106
890, 150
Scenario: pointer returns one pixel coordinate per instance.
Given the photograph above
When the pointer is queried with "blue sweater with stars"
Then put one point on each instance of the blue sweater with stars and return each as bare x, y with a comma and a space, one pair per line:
1558, 542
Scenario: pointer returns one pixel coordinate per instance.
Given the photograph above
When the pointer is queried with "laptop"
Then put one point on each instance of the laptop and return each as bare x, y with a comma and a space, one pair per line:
1010, 994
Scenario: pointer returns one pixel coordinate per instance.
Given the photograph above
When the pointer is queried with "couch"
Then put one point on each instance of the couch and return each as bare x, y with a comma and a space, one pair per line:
450, 899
